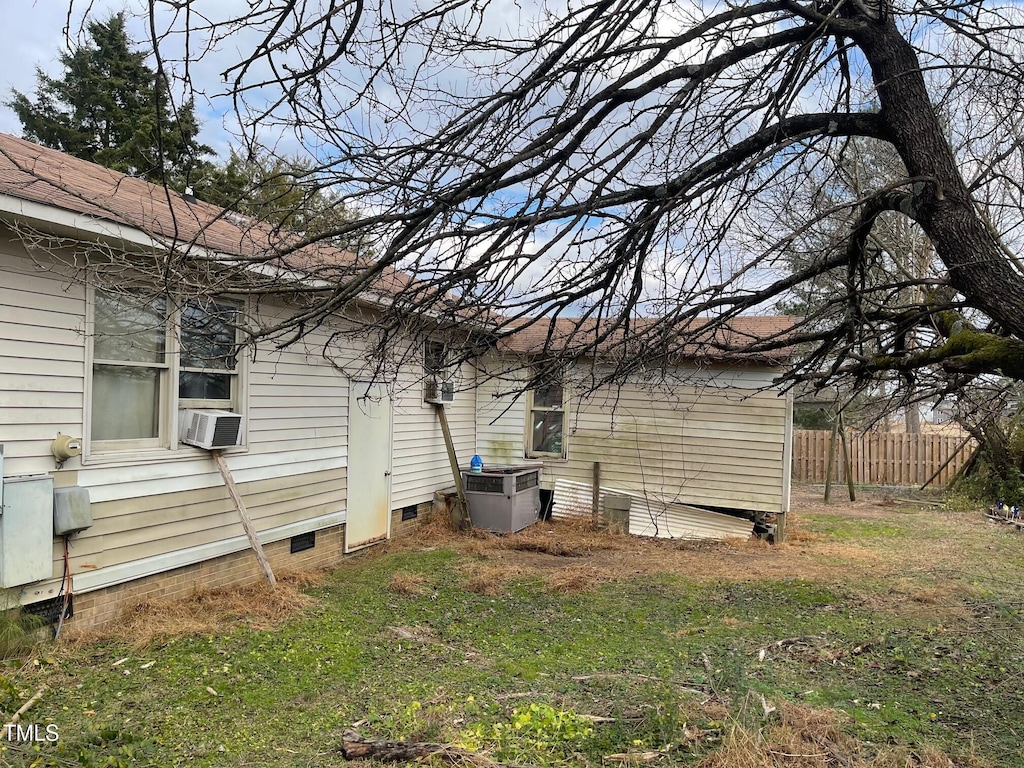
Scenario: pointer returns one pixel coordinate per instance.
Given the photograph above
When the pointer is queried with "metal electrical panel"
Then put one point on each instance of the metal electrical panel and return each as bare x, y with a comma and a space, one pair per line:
26, 530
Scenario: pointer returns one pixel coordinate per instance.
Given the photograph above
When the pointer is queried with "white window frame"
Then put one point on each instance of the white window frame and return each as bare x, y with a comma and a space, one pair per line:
166, 444
233, 401
531, 409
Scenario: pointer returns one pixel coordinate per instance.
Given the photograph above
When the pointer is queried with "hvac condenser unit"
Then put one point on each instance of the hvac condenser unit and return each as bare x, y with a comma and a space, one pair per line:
503, 499
439, 392
210, 429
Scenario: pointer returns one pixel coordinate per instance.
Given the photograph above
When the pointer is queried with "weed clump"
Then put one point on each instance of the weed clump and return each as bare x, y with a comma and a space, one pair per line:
408, 584
208, 611
19, 631
797, 736
490, 580
577, 579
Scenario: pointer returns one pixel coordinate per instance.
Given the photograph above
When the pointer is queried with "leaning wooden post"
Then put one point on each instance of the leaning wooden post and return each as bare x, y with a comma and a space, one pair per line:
831, 459
846, 457
250, 531
947, 462
595, 499
464, 518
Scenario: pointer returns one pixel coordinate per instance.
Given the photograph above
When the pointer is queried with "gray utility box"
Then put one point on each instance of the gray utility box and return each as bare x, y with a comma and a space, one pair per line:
72, 512
26, 530
503, 499
616, 510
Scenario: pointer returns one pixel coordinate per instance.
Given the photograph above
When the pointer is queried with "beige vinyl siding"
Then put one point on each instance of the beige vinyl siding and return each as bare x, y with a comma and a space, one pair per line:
42, 360
500, 417
711, 437
171, 505
293, 468
298, 401
707, 446
133, 528
419, 459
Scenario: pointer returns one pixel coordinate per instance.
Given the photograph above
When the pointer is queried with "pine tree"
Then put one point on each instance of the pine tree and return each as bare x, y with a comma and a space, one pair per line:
282, 191
111, 108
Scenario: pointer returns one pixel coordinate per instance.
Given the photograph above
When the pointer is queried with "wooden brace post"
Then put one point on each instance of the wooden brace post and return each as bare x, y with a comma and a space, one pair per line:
250, 531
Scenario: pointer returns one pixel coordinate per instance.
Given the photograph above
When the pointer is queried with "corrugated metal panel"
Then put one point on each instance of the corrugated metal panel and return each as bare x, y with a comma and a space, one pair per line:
649, 516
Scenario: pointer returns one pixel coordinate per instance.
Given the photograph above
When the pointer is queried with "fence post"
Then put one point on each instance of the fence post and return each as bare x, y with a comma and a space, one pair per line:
831, 459
846, 459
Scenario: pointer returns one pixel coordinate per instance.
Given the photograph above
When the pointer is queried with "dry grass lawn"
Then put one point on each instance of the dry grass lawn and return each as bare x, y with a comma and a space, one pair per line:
574, 556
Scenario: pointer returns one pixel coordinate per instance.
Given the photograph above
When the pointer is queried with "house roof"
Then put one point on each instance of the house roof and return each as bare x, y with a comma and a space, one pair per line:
52, 178
758, 339
38, 174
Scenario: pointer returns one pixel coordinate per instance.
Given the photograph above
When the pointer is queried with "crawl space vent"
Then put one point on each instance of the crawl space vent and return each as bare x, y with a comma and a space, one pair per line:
49, 610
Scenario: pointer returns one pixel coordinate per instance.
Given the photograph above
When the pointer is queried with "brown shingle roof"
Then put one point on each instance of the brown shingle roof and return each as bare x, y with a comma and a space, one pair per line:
42, 175
747, 338
31, 172
38, 174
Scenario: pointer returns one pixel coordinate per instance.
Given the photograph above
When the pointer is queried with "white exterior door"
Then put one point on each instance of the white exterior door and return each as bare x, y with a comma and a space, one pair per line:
368, 514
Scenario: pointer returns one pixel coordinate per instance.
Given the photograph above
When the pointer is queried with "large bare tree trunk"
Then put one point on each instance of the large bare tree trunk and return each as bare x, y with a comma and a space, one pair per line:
978, 267
912, 419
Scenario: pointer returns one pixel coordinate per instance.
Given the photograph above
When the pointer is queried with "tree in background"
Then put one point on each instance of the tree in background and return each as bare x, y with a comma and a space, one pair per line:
284, 192
110, 108
899, 256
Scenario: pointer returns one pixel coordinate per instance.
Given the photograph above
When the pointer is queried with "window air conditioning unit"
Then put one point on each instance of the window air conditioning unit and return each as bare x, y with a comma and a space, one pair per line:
210, 429
440, 392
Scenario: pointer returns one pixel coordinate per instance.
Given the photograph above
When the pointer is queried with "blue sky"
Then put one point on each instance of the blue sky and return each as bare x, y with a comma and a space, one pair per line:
32, 35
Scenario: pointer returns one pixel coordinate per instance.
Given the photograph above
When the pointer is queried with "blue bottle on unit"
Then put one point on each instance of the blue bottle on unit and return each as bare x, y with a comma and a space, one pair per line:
476, 464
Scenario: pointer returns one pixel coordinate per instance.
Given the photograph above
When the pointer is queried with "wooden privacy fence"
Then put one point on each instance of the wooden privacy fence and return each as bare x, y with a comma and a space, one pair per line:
881, 458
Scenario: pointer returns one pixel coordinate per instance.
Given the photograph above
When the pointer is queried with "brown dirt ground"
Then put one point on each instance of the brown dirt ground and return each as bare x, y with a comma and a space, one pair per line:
948, 562
925, 578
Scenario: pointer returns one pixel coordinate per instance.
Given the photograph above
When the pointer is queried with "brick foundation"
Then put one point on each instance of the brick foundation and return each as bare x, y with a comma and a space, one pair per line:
401, 528
104, 606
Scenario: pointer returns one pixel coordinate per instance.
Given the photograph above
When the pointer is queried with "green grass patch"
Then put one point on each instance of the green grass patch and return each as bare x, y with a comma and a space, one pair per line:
855, 529
661, 662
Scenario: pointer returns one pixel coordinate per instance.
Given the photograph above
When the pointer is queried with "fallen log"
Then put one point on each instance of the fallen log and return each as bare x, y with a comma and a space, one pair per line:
24, 708
356, 747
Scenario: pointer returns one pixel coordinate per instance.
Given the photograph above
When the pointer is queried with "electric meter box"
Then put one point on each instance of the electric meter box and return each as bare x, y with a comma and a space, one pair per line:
71, 510
26, 530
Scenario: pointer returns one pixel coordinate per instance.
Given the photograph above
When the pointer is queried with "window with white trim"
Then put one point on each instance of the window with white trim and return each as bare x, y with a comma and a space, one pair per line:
545, 428
149, 360
208, 366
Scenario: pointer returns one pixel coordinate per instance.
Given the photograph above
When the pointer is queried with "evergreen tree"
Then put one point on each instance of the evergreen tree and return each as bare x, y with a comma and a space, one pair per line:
111, 108
285, 192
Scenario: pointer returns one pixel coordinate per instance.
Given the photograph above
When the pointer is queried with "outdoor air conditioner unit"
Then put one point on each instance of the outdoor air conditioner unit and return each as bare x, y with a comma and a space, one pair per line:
439, 392
210, 429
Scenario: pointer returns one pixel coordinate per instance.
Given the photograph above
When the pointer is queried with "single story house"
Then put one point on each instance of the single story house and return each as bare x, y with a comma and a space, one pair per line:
333, 457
